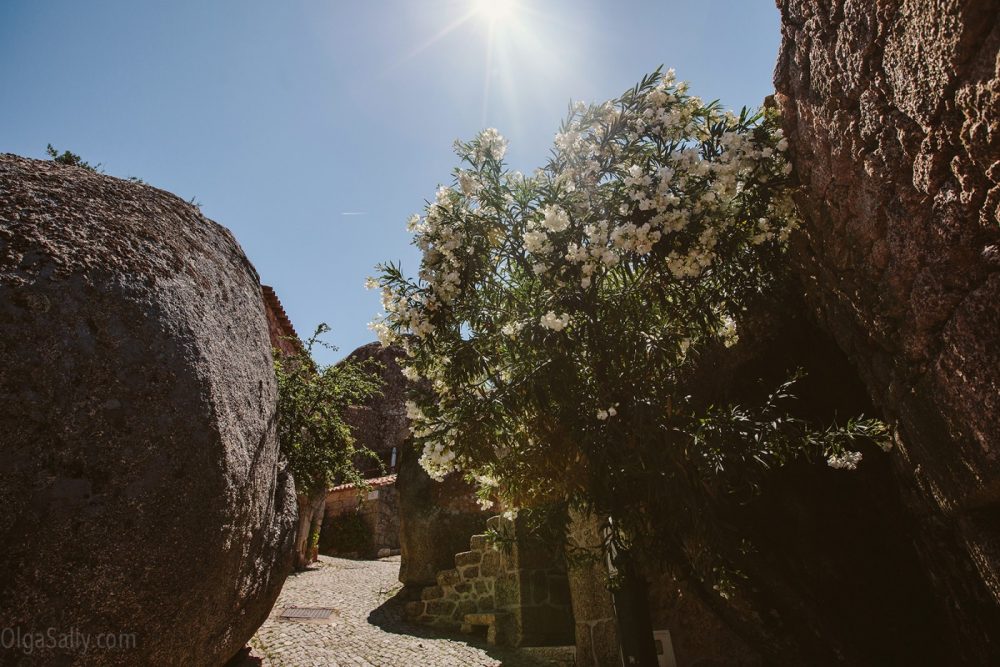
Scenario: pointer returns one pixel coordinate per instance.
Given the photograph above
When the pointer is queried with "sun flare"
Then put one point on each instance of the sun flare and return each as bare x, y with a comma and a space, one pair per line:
496, 11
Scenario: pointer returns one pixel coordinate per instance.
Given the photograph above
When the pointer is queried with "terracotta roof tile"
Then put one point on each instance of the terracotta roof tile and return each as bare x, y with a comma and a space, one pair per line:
375, 482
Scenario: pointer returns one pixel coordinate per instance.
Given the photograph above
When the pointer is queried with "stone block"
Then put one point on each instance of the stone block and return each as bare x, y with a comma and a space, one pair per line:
482, 586
463, 588
432, 593
508, 590
440, 607
479, 543
559, 590
449, 578
539, 585
470, 573
490, 566
414, 609
545, 626
604, 642
585, 654
468, 558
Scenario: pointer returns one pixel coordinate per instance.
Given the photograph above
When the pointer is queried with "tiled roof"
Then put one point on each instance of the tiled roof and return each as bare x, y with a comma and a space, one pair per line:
375, 482
274, 303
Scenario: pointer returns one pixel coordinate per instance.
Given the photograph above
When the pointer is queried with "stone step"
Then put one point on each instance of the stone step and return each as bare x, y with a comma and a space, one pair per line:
448, 578
468, 558
479, 543
499, 626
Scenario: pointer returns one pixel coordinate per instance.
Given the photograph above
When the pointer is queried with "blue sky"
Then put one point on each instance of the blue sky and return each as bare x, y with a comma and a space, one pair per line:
314, 128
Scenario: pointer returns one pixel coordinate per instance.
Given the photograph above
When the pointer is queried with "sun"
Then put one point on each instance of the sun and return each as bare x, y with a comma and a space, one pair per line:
496, 11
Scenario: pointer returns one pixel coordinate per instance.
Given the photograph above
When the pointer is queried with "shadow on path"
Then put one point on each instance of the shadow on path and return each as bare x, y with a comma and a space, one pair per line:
389, 617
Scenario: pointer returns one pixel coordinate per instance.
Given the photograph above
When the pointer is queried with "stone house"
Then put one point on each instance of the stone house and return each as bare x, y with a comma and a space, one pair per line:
378, 507
279, 327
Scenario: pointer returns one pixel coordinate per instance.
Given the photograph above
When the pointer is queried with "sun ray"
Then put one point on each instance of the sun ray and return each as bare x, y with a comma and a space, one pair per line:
441, 34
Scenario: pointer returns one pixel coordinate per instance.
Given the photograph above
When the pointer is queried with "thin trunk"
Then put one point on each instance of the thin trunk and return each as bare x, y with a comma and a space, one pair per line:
635, 625
310, 520
630, 599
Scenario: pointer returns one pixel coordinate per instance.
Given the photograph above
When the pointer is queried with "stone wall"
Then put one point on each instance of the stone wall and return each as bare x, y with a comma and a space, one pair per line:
518, 591
378, 507
279, 327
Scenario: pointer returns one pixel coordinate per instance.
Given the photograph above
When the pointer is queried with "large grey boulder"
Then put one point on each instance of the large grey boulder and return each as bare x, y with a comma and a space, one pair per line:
141, 487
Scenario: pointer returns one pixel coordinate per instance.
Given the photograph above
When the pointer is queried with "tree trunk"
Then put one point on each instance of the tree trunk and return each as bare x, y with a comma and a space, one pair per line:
311, 509
635, 626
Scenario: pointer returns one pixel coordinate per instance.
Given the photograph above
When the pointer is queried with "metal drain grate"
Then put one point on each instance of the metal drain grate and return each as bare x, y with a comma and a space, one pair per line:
308, 613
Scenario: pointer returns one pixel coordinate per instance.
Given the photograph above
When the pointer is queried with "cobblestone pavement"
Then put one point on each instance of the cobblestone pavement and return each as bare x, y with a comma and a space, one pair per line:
366, 630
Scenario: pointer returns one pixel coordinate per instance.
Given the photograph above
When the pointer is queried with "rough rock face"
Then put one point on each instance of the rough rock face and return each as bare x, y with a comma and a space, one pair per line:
892, 110
381, 424
436, 521
818, 567
140, 482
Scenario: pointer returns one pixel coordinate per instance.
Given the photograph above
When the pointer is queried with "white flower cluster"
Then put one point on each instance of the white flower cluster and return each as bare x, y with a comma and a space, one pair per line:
469, 184
438, 460
603, 415
536, 236
511, 329
555, 322
845, 461
438, 457
728, 331
555, 219
690, 195
643, 200
491, 144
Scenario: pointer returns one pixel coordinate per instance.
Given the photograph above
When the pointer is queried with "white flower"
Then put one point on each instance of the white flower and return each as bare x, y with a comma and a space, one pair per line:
602, 414
438, 460
536, 242
468, 183
512, 329
414, 412
728, 331
370, 283
555, 322
556, 219
845, 461
411, 374
491, 144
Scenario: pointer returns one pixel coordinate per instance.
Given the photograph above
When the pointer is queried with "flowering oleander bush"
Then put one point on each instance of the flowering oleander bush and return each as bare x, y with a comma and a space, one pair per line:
555, 314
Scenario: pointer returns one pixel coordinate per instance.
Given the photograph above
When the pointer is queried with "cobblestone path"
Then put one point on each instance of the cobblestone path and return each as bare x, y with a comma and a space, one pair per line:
366, 630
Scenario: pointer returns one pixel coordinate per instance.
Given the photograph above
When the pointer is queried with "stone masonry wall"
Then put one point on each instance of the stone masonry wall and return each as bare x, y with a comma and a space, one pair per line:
379, 508
519, 590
